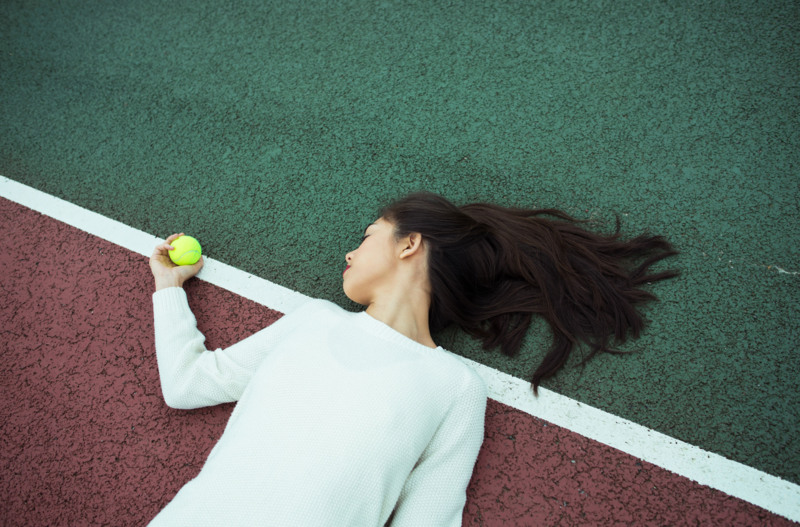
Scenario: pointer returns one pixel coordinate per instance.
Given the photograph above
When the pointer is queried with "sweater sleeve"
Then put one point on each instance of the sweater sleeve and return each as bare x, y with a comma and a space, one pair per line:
435, 491
191, 375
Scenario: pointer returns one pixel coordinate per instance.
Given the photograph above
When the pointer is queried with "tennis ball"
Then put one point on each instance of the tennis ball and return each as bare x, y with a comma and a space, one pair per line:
186, 251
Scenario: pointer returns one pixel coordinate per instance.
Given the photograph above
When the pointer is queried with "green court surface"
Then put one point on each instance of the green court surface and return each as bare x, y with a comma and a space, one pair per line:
273, 131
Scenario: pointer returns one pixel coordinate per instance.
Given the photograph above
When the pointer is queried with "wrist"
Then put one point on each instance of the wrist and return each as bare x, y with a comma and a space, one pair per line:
166, 282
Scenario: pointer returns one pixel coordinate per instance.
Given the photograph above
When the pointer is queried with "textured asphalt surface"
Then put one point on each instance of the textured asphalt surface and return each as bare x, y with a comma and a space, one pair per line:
87, 439
273, 131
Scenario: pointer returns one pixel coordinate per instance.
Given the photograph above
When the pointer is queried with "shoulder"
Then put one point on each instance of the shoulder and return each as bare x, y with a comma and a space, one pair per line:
316, 306
306, 313
469, 382
464, 397
318, 313
472, 382
472, 398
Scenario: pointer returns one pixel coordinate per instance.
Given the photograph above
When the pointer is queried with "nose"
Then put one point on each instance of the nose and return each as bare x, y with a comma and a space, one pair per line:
348, 257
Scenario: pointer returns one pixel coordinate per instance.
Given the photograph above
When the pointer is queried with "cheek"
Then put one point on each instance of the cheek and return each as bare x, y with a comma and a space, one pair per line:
362, 280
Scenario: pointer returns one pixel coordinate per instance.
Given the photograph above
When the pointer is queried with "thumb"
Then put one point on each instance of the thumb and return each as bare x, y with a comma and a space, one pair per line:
191, 270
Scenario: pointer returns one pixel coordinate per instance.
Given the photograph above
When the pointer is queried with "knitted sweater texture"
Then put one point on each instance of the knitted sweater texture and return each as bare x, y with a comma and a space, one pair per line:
340, 421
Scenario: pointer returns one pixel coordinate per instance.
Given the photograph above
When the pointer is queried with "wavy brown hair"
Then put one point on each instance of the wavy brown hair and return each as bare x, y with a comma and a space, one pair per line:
492, 268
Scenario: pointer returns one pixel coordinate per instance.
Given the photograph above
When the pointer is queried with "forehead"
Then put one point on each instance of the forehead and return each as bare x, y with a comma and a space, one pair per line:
379, 224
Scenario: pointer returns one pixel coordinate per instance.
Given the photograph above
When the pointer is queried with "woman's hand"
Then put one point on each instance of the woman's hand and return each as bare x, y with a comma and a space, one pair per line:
166, 273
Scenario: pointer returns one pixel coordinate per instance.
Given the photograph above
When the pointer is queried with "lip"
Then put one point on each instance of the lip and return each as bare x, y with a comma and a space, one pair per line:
345, 270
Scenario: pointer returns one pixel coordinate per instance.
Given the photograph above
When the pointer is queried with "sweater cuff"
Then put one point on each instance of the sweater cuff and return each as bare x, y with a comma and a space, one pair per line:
170, 300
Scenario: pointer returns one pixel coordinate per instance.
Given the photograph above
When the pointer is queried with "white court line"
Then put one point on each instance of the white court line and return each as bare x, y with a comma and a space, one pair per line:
759, 488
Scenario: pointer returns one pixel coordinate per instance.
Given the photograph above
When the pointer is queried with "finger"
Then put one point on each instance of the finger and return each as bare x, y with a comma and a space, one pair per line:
172, 238
188, 271
167, 246
162, 249
197, 266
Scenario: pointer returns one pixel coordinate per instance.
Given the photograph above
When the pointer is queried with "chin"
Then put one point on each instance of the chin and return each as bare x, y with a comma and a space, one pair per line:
355, 298
348, 295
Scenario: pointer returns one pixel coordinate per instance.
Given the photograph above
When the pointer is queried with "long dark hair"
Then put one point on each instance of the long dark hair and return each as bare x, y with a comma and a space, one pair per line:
492, 268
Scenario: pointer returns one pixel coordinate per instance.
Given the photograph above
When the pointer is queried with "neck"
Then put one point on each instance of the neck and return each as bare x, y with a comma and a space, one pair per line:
406, 313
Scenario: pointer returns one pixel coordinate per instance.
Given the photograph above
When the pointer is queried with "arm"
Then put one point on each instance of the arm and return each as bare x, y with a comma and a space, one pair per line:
191, 375
435, 491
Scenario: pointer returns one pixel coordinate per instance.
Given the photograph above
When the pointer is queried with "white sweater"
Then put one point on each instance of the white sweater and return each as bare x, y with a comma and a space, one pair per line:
340, 421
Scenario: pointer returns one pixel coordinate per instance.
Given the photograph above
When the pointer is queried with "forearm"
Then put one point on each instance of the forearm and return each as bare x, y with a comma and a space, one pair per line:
178, 346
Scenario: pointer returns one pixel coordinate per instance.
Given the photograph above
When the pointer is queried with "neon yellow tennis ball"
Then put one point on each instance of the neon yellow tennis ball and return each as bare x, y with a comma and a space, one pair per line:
186, 251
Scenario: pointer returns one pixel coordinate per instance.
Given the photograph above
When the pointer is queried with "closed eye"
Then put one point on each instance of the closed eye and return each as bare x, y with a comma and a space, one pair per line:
365, 232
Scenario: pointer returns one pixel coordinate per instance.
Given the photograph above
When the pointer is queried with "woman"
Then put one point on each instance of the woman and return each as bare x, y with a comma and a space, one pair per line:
360, 418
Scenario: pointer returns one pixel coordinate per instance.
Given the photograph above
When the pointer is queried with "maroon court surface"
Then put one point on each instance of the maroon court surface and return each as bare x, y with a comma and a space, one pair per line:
87, 440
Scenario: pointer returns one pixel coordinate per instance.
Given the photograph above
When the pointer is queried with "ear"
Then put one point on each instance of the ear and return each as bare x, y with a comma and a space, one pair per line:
411, 245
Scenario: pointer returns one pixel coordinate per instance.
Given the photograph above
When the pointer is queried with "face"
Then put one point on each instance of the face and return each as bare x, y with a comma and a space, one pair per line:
370, 267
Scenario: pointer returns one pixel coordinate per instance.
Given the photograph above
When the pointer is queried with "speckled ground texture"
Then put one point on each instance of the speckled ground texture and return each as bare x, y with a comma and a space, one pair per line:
273, 131
87, 440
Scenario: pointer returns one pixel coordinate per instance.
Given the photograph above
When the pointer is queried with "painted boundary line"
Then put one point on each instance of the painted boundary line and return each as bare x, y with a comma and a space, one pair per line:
759, 488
